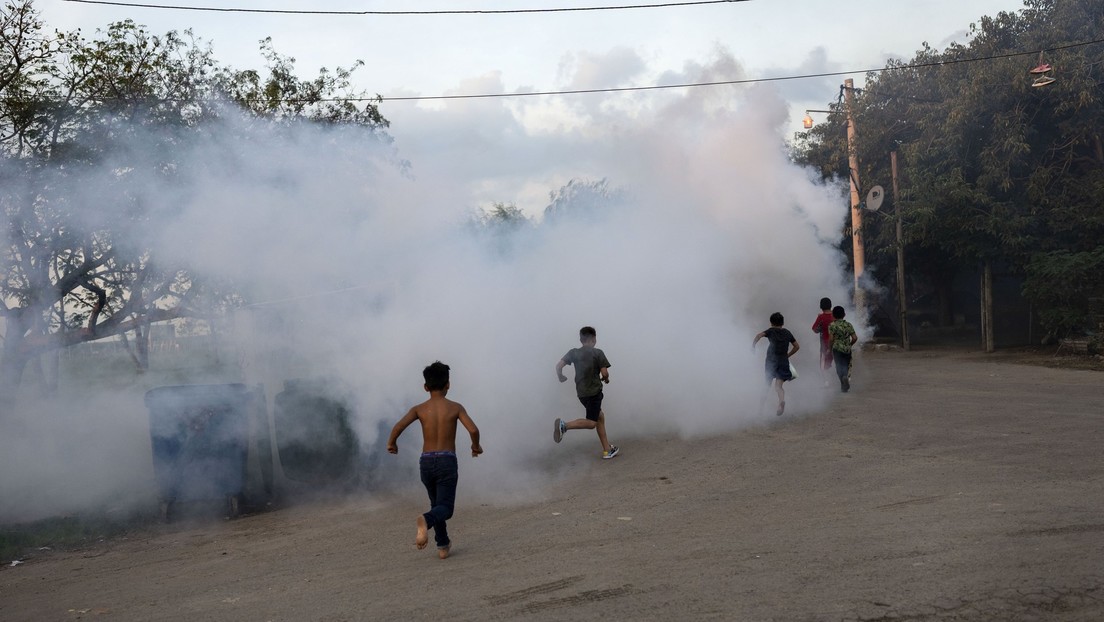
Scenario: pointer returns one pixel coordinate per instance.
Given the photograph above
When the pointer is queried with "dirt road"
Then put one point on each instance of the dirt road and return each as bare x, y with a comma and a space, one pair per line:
946, 486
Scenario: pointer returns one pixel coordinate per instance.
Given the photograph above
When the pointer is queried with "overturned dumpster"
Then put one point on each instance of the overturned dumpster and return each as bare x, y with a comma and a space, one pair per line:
201, 437
315, 441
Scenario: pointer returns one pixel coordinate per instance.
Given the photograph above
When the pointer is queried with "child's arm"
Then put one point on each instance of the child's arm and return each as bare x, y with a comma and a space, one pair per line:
473, 431
604, 373
559, 370
757, 338
793, 351
408, 418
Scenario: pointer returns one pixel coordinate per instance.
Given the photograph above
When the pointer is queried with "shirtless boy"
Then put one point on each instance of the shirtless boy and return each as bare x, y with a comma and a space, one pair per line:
438, 416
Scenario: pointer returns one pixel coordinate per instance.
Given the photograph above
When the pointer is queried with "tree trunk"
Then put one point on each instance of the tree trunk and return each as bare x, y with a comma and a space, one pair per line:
12, 364
987, 342
944, 292
142, 345
53, 372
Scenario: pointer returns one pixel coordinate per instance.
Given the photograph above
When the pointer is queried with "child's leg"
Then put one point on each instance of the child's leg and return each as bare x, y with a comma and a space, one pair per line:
781, 395
440, 476
447, 477
594, 419
766, 390
826, 363
421, 537
843, 362
601, 427
446, 501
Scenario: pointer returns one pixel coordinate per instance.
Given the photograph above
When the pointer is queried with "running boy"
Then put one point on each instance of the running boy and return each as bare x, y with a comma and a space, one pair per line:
778, 359
591, 370
843, 337
438, 417
820, 326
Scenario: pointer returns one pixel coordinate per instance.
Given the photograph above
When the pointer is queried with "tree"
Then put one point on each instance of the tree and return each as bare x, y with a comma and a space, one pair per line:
581, 198
499, 226
80, 121
998, 172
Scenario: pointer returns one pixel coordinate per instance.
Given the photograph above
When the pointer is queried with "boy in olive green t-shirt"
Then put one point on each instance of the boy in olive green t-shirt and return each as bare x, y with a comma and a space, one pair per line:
843, 337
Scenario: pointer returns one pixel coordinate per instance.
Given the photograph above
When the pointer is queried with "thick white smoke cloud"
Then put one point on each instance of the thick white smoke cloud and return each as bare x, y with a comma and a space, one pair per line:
374, 274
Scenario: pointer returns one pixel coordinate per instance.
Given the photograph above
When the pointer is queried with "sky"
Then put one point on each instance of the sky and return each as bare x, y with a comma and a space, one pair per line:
380, 276
433, 55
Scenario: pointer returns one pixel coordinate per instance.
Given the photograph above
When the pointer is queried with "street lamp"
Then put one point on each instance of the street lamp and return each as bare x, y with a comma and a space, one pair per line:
807, 122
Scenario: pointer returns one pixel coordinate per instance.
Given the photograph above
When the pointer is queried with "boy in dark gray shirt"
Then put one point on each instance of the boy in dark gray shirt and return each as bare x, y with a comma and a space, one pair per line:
591, 370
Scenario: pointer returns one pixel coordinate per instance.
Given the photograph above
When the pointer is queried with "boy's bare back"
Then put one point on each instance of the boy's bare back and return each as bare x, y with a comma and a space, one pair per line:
438, 416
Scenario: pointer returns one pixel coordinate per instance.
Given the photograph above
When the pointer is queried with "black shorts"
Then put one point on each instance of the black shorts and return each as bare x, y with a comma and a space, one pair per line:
779, 369
593, 405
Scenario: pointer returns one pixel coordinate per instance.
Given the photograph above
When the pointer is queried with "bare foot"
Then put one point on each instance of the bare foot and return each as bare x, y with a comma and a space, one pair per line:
422, 538
781, 409
443, 551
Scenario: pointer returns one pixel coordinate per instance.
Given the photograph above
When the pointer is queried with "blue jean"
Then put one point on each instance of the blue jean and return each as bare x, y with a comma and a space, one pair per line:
439, 476
843, 363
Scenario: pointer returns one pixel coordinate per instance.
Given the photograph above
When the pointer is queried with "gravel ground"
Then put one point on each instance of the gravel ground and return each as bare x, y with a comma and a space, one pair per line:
945, 486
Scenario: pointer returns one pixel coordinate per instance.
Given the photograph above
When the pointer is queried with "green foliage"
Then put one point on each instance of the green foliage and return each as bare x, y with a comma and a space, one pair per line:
499, 226
281, 95
991, 168
502, 217
73, 264
582, 198
1070, 282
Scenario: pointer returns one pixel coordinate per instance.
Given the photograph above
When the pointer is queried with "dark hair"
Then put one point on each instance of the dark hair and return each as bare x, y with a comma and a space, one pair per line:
587, 331
776, 319
825, 303
838, 313
436, 376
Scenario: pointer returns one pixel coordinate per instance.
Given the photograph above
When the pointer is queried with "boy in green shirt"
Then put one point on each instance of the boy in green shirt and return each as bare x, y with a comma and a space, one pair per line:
843, 337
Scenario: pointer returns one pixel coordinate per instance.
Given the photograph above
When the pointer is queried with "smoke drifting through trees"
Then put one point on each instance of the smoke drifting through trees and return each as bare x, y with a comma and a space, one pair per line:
375, 273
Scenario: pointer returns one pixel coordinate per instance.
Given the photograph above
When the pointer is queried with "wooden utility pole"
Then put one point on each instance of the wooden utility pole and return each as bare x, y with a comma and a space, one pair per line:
902, 298
859, 255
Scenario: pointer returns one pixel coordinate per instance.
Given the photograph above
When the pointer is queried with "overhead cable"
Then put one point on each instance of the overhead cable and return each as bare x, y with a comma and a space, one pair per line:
725, 82
624, 89
173, 7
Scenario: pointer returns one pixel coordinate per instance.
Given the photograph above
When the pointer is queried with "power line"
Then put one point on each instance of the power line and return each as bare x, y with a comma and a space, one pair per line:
441, 12
625, 89
723, 82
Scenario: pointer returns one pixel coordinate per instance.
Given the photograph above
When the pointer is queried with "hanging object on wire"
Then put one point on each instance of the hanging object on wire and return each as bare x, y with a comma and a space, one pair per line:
1041, 70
